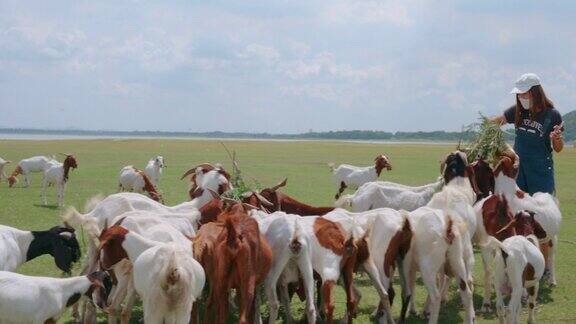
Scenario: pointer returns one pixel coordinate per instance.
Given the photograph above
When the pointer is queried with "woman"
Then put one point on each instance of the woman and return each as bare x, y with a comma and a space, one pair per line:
538, 130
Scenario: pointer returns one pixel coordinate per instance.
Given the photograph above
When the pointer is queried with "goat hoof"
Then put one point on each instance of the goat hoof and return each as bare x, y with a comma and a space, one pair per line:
426, 314
486, 308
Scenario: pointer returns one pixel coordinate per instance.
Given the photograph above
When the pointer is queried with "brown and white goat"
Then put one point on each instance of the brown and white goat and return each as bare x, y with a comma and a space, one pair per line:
234, 255
272, 200
544, 205
136, 180
56, 174
519, 265
3, 163
206, 176
350, 176
27, 166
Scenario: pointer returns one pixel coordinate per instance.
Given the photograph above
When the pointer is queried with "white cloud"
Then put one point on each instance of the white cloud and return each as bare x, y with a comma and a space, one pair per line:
367, 59
266, 54
370, 12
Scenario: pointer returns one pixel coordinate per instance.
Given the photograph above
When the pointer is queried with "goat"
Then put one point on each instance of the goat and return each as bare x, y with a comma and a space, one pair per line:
519, 264
154, 169
158, 227
27, 166
545, 206
438, 244
165, 275
41, 300
333, 245
352, 176
273, 200
358, 227
136, 180
56, 173
17, 247
3, 163
234, 255
206, 176
384, 194
291, 257
104, 211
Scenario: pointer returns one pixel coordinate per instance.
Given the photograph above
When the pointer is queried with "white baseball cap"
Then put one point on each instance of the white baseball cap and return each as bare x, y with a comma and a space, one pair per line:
525, 82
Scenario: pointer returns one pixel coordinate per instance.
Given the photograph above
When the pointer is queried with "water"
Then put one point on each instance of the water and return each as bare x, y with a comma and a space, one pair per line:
52, 137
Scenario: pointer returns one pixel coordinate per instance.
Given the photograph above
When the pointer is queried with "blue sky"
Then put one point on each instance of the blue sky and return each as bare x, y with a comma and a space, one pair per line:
277, 66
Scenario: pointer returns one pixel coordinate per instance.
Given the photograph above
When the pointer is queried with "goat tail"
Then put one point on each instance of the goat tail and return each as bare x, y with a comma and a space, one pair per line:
534, 240
295, 245
332, 166
494, 244
93, 202
450, 235
345, 201
174, 283
72, 217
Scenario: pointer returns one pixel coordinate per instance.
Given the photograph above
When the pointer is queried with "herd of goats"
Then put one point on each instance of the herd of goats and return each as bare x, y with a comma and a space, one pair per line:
183, 261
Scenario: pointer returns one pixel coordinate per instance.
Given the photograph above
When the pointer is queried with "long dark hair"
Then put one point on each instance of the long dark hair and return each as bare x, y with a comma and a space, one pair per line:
539, 103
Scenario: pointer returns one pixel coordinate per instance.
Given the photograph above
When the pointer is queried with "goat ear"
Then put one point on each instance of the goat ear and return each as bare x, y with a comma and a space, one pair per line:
472, 178
62, 259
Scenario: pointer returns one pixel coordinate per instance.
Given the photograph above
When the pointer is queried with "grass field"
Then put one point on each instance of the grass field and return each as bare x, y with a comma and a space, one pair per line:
304, 163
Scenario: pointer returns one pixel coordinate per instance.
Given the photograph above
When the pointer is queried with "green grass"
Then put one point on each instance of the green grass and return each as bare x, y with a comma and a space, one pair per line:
304, 163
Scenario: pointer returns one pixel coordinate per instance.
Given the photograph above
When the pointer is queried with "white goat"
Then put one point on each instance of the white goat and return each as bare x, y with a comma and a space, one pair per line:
291, 251
17, 247
56, 173
41, 300
173, 226
136, 180
544, 205
518, 264
3, 163
154, 169
352, 176
438, 240
27, 166
384, 194
165, 275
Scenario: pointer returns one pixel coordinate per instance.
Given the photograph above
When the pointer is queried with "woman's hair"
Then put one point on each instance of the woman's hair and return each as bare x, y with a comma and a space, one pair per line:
539, 103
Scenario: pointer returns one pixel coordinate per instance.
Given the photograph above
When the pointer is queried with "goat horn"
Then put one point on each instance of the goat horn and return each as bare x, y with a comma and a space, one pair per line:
507, 225
119, 222
280, 185
250, 207
215, 195
229, 200
247, 194
263, 200
209, 166
64, 154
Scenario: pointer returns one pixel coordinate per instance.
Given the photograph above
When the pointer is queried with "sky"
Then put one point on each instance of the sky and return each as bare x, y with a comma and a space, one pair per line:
277, 66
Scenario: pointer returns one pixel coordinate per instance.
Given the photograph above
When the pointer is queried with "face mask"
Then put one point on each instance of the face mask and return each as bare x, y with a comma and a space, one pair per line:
525, 103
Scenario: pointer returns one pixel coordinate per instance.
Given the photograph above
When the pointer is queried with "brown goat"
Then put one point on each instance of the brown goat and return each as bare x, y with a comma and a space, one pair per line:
234, 255
279, 201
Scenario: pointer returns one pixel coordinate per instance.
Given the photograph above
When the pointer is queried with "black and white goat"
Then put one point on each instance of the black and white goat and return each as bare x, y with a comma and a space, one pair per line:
17, 247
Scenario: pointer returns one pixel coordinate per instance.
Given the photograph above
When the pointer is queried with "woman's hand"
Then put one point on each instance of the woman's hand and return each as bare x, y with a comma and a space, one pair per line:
557, 138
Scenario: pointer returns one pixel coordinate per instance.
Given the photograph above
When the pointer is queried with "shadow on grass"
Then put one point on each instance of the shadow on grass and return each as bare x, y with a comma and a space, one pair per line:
51, 207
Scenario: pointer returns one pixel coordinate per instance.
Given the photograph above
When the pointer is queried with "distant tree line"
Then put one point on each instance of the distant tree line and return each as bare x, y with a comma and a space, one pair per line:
569, 134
